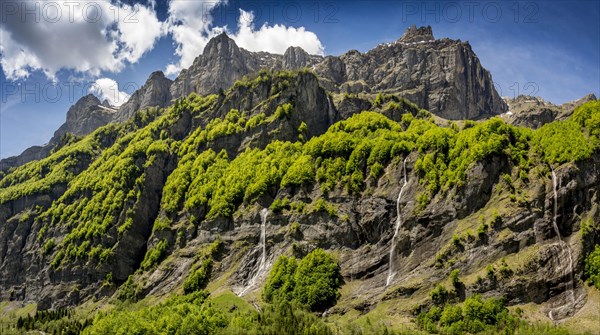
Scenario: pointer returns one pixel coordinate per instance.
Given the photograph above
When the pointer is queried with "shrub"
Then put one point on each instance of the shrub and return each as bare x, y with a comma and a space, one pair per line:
155, 255
198, 278
313, 282
592, 267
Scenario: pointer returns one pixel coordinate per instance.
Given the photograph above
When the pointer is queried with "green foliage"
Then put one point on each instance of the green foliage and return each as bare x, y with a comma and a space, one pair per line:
301, 172
130, 290
322, 205
439, 295
475, 315
573, 139
312, 282
56, 321
280, 318
155, 255
199, 277
592, 267
38, 177
280, 283
48, 246
179, 315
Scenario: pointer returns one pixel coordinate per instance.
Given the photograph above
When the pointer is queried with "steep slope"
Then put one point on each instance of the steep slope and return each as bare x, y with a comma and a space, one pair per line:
534, 112
85, 116
443, 76
127, 211
154, 93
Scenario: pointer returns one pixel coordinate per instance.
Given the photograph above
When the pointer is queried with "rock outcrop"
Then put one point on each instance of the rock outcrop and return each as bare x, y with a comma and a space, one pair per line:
155, 93
443, 76
85, 116
534, 112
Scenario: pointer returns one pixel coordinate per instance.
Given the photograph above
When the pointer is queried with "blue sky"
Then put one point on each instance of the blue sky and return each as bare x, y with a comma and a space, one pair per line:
550, 49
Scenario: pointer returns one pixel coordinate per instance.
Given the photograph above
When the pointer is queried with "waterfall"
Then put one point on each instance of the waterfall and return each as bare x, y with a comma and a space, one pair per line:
330, 110
392, 271
262, 245
563, 244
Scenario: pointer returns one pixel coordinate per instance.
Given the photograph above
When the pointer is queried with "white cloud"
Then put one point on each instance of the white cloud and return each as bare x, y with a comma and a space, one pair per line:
98, 36
190, 23
108, 89
88, 37
274, 39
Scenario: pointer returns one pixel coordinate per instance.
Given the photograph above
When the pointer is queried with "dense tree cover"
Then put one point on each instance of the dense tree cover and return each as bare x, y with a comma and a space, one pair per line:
474, 316
107, 192
277, 319
59, 321
178, 315
574, 139
62, 166
312, 282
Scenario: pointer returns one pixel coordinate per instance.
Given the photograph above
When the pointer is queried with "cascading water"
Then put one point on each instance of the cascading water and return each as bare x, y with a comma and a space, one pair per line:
564, 245
392, 271
262, 245
330, 110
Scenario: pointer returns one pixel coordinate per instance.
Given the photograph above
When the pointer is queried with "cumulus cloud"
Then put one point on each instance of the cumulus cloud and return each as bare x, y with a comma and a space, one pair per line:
190, 23
108, 89
94, 37
274, 39
88, 37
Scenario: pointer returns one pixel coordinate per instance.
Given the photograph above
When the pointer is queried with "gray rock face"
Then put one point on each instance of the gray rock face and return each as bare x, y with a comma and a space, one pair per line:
443, 76
154, 93
414, 34
87, 115
534, 112
297, 58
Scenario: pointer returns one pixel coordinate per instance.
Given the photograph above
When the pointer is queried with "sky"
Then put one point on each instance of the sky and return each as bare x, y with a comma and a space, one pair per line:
54, 52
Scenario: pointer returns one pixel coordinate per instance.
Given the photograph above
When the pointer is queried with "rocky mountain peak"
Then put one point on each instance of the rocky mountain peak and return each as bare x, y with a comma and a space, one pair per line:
295, 57
155, 92
414, 34
221, 46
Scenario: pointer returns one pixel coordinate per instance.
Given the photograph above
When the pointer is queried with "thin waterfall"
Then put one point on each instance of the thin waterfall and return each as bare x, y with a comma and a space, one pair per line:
563, 244
391, 270
262, 245
330, 109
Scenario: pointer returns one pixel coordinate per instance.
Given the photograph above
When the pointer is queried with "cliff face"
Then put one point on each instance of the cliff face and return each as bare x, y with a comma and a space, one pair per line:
85, 116
150, 193
154, 93
443, 76
534, 112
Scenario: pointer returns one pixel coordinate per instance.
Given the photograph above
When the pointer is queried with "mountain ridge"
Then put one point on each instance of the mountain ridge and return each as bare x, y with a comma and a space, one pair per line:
443, 67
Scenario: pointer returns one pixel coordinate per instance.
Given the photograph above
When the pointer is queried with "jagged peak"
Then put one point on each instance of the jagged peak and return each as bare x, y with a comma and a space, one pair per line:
89, 99
414, 34
294, 50
220, 42
156, 75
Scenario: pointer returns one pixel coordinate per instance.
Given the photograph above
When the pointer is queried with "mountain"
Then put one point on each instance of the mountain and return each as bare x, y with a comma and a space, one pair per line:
534, 112
155, 92
285, 204
85, 116
443, 76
